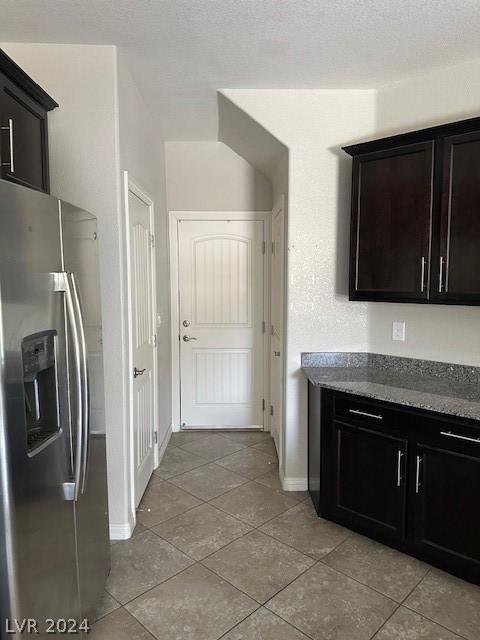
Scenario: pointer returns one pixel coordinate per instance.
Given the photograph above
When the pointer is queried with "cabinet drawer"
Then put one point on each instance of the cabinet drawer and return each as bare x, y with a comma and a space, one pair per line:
353, 408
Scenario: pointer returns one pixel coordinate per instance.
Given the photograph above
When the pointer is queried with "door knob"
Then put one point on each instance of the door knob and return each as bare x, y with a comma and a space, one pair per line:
138, 372
186, 323
188, 338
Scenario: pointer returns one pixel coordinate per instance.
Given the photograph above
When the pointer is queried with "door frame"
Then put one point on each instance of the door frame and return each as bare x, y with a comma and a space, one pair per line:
174, 218
279, 209
130, 186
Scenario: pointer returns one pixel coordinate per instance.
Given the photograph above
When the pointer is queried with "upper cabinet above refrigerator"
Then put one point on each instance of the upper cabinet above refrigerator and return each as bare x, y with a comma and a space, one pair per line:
415, 228
23, 127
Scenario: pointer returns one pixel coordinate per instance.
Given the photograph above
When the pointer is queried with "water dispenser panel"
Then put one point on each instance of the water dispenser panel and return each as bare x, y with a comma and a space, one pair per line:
40, 387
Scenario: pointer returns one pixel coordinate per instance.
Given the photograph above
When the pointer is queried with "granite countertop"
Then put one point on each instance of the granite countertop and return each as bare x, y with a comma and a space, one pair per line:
422, 384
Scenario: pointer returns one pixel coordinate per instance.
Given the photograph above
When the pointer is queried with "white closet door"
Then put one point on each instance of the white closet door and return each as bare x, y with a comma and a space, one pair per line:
221, 315
143, 347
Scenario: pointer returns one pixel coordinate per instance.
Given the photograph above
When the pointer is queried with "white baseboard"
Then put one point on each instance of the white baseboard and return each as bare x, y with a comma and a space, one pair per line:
124, 531
164, 443
294, 484
121, 531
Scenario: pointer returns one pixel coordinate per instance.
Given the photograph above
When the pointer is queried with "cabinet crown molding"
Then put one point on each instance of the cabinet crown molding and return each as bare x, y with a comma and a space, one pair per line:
17, 75
414, 137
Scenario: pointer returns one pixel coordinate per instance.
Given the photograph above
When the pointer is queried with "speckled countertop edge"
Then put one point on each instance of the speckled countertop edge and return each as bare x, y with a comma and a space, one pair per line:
447, 388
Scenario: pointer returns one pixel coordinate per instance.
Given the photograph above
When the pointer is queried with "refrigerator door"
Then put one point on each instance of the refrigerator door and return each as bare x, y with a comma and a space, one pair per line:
79, 238
38, 576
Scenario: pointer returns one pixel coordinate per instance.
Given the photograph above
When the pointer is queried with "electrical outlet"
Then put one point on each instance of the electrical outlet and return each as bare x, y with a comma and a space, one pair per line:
398, 331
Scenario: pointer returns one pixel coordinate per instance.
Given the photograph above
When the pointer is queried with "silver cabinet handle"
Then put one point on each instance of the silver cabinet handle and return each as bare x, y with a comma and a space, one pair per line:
364, 413
188, 338
418, 484
457, 436
138, 372
422, 282
440, 275
400, 455
84, 383
10, 164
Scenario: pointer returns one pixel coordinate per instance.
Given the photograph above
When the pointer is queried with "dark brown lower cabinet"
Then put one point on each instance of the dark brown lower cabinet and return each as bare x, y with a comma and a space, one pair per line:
370, 480
408, 478
447, 501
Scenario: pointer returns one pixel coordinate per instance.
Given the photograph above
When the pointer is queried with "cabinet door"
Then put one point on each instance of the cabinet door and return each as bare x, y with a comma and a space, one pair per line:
391, 222
457, 273
370, 485
24, 138
447, 507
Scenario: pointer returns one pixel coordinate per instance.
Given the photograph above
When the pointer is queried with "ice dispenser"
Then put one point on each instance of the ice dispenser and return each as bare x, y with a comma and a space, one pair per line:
40, 388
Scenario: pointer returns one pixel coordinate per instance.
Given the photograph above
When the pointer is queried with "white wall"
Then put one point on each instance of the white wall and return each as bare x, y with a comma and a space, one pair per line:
83, 147
314, 125
209, 176
142, 155
101, 128
434, 332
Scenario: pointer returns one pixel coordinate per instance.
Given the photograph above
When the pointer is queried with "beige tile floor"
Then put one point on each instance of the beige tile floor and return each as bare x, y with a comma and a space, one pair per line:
223, 552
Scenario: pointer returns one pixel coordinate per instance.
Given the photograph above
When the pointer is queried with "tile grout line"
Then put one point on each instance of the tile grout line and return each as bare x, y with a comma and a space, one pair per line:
423, 615
385, 621
215, 461
179, 573
238, 623
346, 575
274, 614
413, 589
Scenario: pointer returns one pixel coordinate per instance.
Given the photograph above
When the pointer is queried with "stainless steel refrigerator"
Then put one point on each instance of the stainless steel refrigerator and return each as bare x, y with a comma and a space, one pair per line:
54, 551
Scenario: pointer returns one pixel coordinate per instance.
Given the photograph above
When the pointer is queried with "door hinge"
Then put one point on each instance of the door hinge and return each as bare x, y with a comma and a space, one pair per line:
264, 326
155, 437
271, 409
263, 404
154, 340
272, 330
152, 240
264, 247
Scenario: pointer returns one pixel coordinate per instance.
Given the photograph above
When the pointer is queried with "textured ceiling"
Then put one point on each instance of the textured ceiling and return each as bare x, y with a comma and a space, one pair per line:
181, 51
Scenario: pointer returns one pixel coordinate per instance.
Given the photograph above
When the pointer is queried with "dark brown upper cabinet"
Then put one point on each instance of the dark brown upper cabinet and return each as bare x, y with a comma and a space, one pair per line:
23, 127
415, 228
459, 258
391, 235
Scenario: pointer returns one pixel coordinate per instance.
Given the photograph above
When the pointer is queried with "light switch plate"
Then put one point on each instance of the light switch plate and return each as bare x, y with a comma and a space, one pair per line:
398, 331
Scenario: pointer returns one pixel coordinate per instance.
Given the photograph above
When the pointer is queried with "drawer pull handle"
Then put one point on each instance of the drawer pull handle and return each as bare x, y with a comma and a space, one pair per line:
357, 412
457, 436
400, 455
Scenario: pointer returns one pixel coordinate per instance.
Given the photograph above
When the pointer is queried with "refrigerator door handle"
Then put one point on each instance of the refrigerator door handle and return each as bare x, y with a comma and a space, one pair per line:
72, 489
84, 384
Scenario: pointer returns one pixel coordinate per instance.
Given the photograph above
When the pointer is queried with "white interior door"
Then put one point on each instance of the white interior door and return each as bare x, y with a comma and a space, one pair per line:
276, 318
221, 274
142, 341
